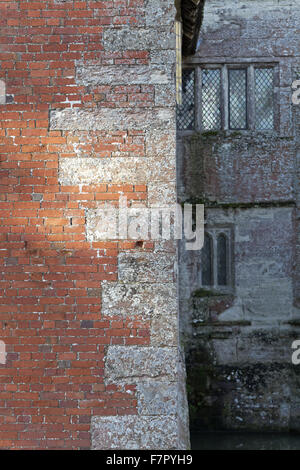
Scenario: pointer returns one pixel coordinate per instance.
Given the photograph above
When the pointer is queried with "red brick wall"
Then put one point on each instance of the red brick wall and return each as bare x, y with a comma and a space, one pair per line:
50, 306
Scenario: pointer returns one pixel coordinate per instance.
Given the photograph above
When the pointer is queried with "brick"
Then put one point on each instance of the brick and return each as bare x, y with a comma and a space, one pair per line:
76, 126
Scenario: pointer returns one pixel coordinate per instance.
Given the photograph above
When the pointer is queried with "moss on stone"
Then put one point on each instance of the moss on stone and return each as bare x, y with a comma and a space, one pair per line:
201, 293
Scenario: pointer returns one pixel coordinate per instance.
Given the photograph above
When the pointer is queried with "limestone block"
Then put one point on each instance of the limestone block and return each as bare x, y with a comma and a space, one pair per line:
134, 432
142, 299
157, 398
112, 119
139, 39
163, 57
127, 363
164, 330
102, 170
134, 170
146, 267
161, 194
93, 73
161, 143
159, 12
164, 95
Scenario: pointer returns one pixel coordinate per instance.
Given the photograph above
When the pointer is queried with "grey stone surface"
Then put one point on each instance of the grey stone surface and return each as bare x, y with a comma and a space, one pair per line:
161, 193
159, 38
241, 348
103, 170
129, 363
161, 143
139, 299
182, 404
164, 94
160, 12
134, 170
96, 74
157, 398
164, 330
146, 267
112, 119
236, 167
134, 432
254, 345
166, 57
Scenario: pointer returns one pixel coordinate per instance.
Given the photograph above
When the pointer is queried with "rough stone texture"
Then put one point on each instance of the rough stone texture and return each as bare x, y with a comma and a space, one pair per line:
238, 344
162, 192
147, 267
127, 364
120, 170
138, 149
134, 432
237, 168
156, 398
97, 74
163, 330
89, 116
163, 9
103, 170
160, 38
182, 402
112, 119
142, 299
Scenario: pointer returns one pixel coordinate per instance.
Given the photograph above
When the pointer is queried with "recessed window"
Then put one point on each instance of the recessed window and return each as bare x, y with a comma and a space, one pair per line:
237, 98
211, 98
207, 261
186, 111
216, 259
231, 97
264, 115
222, 261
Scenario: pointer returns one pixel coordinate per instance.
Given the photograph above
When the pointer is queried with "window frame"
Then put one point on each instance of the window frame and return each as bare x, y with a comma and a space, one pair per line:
250, 67
213, 232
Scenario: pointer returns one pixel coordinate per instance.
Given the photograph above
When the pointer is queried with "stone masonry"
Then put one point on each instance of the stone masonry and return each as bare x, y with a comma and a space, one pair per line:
87, 106
238, 343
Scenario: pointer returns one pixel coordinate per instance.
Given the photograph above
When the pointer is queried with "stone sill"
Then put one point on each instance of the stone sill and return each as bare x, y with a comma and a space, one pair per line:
225, 323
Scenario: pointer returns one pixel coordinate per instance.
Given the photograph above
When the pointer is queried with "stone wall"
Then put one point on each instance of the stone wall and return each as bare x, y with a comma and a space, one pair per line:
238, 343
90, 324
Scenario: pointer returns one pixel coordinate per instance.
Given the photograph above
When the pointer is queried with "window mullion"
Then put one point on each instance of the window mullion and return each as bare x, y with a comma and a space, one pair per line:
251, 97
215, 259
228, 259
224, 97
198, 98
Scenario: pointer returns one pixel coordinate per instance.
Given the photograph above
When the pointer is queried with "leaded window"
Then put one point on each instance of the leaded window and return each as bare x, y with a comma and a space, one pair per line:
234, 97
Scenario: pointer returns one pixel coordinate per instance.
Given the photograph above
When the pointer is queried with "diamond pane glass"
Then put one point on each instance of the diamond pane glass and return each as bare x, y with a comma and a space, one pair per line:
222, 260
185, 112
211, 91
206, 260
237, 98
264, 115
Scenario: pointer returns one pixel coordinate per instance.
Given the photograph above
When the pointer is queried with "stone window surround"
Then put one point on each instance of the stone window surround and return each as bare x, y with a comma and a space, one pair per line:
197, 64
214, 231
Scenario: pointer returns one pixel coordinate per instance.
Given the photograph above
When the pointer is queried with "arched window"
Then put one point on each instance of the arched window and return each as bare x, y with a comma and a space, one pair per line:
222, 260
207, 261
216, 268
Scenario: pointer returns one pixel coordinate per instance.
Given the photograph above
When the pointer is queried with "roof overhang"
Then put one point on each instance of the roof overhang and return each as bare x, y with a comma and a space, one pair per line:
191, 14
